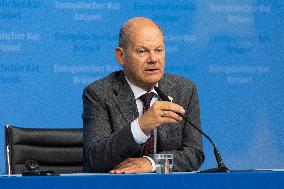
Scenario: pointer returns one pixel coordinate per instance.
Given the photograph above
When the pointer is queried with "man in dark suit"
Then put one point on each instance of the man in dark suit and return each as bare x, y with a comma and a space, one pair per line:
118, 127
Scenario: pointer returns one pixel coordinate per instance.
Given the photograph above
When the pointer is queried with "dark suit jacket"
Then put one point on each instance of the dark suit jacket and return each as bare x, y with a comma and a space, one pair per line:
109, 107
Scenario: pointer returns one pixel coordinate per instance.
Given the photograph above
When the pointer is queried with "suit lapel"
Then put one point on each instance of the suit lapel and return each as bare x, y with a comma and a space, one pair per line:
124, 99
166, 85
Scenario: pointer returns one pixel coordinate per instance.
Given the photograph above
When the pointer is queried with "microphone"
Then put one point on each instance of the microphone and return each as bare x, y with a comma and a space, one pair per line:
34, 169
221, 166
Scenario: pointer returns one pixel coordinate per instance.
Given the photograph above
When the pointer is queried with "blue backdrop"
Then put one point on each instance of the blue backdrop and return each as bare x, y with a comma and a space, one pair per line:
233, 51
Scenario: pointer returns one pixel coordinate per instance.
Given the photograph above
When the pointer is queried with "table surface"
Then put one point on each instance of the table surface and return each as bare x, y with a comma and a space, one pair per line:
240, 179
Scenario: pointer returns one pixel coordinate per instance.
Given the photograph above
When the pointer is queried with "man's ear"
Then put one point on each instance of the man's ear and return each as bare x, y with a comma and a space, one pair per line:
119, 54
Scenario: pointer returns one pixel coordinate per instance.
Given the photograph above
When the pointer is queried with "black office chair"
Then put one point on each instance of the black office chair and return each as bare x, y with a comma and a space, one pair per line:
58, 150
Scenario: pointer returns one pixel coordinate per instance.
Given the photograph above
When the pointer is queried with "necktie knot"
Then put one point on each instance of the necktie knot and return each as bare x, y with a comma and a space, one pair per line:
146, 100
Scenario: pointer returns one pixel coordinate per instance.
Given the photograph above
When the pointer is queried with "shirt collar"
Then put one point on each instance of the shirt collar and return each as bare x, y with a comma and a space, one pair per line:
137, 91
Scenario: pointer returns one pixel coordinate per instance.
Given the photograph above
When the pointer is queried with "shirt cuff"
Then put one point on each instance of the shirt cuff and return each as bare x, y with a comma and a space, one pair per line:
152, 162
138, 135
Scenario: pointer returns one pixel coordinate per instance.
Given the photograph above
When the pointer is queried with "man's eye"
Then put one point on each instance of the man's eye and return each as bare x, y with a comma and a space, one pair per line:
159, 50
141, 51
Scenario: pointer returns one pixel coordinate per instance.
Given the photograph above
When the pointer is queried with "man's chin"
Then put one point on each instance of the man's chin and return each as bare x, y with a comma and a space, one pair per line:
152, 81
147, 82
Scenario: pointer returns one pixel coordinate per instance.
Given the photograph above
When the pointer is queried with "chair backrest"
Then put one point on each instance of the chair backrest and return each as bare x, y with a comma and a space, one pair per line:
59, 150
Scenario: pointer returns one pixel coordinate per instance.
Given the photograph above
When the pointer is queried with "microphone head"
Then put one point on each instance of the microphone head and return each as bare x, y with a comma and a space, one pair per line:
161, 94
31, 165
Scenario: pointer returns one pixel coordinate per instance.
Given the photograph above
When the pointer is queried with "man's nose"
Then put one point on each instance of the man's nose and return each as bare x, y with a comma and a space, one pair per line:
152, 58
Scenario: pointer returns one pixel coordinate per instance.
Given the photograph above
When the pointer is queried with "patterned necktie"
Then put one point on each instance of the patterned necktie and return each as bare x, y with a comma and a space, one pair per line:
149, 145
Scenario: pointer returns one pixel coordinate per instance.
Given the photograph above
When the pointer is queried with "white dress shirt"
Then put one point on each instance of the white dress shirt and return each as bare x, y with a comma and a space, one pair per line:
138, 135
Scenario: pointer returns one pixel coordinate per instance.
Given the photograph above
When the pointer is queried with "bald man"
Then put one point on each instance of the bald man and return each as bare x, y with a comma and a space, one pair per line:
118, 128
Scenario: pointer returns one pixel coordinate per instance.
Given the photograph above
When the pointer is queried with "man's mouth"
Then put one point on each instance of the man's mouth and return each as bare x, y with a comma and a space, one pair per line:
152, 69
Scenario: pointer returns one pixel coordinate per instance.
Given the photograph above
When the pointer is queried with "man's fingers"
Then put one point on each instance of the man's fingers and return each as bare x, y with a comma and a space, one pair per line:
132, 165
169, 106
132, 168
127, 161
124, 163
160, 112
124, 171
128, 169
170, 116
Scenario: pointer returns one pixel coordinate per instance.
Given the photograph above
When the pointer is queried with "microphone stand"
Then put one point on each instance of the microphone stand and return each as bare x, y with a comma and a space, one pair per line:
220, 164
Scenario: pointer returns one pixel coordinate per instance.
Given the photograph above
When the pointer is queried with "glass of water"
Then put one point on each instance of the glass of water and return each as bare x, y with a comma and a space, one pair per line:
164, 163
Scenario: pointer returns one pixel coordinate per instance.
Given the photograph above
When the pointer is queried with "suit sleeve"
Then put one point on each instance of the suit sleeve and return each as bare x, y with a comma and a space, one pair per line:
190, 156
104, 147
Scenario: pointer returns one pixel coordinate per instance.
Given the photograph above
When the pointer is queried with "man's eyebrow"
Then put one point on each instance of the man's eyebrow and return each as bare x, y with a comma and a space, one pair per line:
160, 46
142, 46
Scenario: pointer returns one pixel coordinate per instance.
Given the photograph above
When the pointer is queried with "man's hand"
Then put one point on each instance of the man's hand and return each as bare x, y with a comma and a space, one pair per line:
133, 165
160, 112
